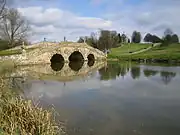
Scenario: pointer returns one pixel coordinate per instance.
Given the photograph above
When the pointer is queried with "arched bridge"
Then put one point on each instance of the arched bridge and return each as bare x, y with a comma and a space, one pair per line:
48, 52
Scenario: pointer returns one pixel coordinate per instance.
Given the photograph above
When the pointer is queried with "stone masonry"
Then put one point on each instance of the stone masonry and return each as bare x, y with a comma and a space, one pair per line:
43, 52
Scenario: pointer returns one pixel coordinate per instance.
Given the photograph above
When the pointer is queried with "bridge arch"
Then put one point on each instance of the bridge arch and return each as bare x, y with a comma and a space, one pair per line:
57, 58
91, 57
76, 56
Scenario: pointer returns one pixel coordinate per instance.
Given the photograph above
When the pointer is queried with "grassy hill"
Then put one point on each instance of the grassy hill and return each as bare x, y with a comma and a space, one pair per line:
127, 49
171, 52
168, 52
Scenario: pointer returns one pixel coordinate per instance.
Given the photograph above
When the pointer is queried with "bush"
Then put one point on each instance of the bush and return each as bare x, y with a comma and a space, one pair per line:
4, 45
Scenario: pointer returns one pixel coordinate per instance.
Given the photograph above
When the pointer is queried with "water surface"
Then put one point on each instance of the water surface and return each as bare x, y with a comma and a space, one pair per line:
107, 98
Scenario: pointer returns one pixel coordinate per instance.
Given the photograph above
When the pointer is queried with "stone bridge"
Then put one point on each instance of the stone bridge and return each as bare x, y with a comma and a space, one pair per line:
46, 52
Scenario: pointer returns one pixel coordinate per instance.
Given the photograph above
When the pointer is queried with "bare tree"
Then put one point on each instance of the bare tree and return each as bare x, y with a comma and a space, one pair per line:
13, 27
2, 7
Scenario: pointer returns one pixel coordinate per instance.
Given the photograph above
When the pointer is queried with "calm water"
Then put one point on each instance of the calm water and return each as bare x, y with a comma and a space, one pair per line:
112, 99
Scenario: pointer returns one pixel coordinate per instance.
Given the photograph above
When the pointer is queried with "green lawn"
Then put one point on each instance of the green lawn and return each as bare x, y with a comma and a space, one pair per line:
10, 52
13, 52
124, 50
167, 52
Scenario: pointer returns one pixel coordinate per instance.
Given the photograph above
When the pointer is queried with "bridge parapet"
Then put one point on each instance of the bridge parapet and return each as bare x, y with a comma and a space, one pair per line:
43, 53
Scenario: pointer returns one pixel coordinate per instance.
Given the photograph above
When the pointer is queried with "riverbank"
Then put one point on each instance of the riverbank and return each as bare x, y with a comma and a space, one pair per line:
21, 116
169, 53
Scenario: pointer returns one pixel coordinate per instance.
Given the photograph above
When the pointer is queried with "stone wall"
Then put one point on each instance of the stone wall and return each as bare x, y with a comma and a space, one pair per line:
43, 52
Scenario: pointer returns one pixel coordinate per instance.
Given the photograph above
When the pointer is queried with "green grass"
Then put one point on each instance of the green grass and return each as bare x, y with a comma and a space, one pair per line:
13, 52
167, 52
124, 50
21, 117
10, 52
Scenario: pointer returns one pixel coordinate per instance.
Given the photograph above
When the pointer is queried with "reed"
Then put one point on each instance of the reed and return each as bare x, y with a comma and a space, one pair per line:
20, 116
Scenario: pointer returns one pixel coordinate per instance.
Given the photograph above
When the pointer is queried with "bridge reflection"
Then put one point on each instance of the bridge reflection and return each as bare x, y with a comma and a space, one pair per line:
76, 66
57, 66
91, 63
59, 71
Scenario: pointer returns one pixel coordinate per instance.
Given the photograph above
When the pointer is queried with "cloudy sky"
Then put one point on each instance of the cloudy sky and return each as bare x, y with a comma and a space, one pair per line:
55, 19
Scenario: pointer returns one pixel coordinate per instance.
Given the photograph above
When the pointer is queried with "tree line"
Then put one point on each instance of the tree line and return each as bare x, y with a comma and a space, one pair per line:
106, 40
14, 27
111, 39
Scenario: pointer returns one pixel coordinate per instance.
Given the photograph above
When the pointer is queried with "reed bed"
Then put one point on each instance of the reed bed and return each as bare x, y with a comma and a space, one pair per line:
19, 116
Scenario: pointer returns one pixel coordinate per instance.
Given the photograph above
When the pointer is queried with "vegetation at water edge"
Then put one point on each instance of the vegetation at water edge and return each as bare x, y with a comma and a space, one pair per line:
171, 52
20, 116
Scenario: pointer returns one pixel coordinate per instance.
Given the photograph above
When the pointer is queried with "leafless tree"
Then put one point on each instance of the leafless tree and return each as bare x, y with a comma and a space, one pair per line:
2, 7
14, 27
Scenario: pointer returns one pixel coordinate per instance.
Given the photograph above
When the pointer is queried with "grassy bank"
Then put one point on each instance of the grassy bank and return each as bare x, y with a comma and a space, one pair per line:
20, 116
10, 52
171, 52
126, 49
13, 52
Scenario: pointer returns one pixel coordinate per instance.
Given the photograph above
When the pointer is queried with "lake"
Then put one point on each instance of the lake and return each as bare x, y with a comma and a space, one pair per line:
106, 98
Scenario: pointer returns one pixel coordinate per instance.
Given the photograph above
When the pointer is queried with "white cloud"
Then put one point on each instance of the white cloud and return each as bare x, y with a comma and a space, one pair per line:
55, 23
149, 16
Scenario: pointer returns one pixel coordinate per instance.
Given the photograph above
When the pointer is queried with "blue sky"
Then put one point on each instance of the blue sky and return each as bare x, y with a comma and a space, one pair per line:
55, 19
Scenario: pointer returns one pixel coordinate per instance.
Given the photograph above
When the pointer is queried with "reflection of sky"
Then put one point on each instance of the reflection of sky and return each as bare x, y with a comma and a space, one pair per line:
122, 86
115, 107
161, 68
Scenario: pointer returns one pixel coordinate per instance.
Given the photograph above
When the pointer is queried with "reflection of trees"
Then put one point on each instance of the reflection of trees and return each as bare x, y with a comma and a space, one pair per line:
112, 71
167, 76
123, 71
149, 73
135, 72
104, 73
